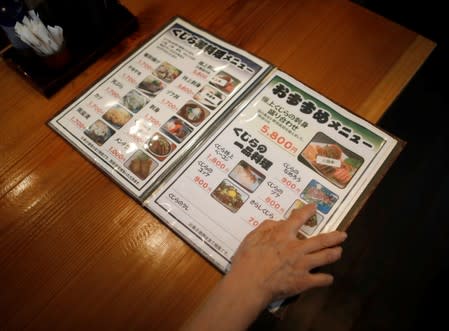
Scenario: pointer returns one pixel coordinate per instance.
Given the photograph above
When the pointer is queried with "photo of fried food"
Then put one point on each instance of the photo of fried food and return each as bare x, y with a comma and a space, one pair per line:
331, 160
117, 116
140, 164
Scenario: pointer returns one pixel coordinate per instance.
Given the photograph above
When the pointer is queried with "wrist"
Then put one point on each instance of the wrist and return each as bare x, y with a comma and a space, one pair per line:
255, 297
234, 297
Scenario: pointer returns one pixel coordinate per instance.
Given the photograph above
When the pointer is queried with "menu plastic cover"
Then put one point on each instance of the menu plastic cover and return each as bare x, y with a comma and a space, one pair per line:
138, 121
288, 146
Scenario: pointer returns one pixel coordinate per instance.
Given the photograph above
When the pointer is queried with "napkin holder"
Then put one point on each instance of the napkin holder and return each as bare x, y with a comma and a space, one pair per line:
49, 75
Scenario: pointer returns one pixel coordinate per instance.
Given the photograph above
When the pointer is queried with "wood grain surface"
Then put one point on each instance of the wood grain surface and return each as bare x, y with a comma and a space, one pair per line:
78, 253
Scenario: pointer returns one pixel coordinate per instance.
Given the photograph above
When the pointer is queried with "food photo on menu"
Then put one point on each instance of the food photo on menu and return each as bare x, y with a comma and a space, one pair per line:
229, 195
224, 82
159, 146
311, 224
141, 164
176, 129
150, 86
167, 72
246, 176
117, 116
99, 132
193, 113
134, 101
331, 160
210, 97
317, 193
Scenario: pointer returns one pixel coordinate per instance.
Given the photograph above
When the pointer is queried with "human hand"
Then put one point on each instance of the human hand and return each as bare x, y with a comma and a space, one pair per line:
270, 264
275, 264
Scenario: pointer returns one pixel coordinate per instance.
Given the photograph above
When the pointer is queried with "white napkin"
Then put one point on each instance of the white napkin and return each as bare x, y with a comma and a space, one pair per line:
44, 40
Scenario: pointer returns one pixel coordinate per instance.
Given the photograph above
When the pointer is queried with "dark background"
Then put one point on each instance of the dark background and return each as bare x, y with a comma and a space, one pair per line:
405, 229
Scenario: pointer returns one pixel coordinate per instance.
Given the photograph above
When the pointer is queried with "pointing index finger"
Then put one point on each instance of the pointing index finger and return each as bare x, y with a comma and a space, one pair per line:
299, 216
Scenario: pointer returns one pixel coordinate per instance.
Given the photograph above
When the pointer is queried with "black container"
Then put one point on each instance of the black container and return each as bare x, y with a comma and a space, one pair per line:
90, 29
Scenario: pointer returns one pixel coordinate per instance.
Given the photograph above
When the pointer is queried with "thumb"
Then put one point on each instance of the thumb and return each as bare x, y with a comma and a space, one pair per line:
299, 216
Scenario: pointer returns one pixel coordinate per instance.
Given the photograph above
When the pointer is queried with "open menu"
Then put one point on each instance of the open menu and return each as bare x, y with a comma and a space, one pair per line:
213, 140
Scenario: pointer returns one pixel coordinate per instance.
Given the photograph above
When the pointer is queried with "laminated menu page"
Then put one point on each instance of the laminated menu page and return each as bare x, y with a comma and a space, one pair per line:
138, 121
214, 140
285, 147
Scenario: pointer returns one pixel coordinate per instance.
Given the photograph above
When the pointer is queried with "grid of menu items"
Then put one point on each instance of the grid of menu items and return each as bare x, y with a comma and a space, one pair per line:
141, 118
287, 147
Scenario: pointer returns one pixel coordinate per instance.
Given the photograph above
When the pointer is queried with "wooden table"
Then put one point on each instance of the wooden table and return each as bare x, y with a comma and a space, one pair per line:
78, 253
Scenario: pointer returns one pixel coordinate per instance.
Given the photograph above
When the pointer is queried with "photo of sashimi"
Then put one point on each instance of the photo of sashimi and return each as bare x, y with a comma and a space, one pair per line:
331, 160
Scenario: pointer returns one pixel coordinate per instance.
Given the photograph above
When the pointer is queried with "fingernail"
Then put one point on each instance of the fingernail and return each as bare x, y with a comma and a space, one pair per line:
344, 235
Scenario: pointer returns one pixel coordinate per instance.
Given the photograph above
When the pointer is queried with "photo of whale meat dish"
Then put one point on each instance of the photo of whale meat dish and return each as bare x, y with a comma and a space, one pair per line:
229, 196
99, 132
331, 160
117, 116
193, 113
140, 164
316, 193
247, 176
224, 82
159, 146
311, 224
167, 72
176, 129
209, 97
150, 86
134, 101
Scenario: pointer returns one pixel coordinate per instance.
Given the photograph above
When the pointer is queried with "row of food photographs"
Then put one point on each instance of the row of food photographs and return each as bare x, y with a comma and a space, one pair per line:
158, 145
322, 154
176, 128
233, 192
167, 72
139, 163
150, 87
118, 115
210, 96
